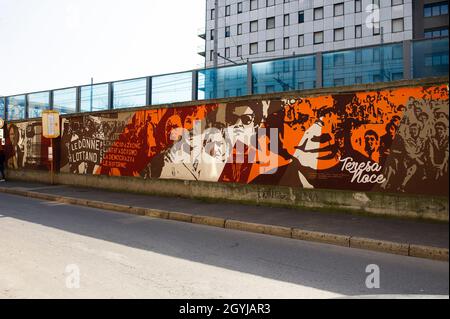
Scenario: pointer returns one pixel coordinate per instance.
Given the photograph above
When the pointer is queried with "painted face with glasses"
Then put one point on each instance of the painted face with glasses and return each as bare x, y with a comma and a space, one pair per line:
241, 124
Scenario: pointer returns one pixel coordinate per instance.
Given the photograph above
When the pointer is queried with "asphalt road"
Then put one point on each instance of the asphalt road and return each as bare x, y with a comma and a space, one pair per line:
51, 250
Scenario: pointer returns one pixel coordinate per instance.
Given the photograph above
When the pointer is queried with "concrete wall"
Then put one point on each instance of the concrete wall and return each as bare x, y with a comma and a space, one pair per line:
133, 150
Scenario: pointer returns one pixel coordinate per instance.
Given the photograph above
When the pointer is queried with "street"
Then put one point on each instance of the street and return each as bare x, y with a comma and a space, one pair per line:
44, 246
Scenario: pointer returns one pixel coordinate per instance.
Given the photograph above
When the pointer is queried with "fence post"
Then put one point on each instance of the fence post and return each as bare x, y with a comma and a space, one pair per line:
194, 85
148, 99
319, 70
249, 78
407, 59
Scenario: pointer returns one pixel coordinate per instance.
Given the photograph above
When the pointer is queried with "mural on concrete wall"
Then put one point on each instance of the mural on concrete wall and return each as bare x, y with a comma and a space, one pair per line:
26, 147
391, 140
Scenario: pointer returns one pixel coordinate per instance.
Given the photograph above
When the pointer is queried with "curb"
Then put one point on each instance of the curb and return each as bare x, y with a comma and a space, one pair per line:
404, 249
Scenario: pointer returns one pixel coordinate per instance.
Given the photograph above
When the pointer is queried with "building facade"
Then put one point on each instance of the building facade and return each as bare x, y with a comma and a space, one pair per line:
265, 29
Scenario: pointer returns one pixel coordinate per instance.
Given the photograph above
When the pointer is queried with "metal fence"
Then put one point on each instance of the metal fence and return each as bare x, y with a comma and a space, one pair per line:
381, 63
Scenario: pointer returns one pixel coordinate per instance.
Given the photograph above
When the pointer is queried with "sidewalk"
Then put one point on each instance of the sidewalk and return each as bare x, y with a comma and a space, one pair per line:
405, 237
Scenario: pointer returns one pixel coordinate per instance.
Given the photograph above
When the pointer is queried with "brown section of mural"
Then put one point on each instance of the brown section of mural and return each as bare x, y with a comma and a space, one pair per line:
391, 140
26, 147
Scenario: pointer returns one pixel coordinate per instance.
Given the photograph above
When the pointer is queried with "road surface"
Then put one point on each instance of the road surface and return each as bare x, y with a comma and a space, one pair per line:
53, 250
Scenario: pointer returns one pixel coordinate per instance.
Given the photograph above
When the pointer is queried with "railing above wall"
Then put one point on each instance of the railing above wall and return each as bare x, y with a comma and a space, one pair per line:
382, 63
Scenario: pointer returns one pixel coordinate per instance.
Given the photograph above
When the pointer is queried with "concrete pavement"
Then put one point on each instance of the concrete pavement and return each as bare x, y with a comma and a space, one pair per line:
124, 256
405, 237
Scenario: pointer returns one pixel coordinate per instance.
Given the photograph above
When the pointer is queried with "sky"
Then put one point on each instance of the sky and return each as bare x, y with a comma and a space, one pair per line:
50, 44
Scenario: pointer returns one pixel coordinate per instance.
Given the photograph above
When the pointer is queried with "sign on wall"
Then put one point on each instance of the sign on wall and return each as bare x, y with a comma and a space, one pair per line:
50, 124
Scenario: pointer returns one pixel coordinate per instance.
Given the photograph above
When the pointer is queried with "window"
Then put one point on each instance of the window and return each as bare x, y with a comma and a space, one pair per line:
435, 9
358, 79
397, 25
239, 7
227, 32
397, 2
338, 59
358, 5
358, 31
358, 57
227, 52
239, 29
376, 55
376, 28
339, 34
254, 48
239, 50
397, 52
318, 37
436, 33
212, 34
270, 23
376, 3
286, 43
227, 11
211, 55
286, 20
270, 45
339, 9
213, 14
270, 3
376, 78
301, 17
318, 13
254, 26
301, 40
253, 4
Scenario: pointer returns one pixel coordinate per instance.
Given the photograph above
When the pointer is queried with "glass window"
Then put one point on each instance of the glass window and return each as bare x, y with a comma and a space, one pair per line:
254, 48
358, 6
239, 29
15, 107
213, 14
94, 98
397, 2
131, 93
270, 23
254, 26
301, 17
270, 45
318, 37
221, 82
286, 20
239, 50
239, 7
227, 32
227, 52
270, 3
227, 10
2, 108
37, 103
253, 4
286, 43
284, 75
339, 34
397, 25
358, 31
318, 13
172, 88
301, 40
338, 9
65, 101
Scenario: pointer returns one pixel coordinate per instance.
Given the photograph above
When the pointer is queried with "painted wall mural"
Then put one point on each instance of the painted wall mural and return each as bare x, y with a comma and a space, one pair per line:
26, 147
391, 140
